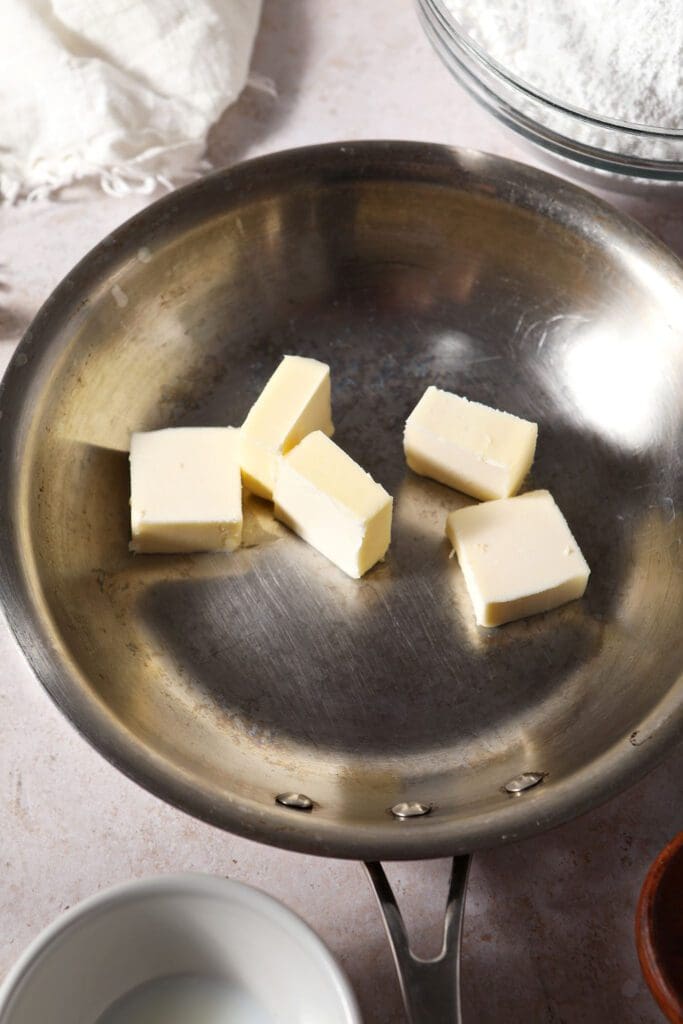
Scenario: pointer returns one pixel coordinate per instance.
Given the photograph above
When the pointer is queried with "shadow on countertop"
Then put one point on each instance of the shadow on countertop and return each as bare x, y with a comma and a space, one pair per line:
279, 55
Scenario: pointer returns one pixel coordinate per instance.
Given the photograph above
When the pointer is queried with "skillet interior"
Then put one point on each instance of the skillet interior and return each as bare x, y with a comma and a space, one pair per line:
220, 681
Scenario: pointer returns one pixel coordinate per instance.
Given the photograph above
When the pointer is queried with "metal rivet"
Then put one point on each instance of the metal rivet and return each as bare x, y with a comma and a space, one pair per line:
410, 809
295, 801
524, 781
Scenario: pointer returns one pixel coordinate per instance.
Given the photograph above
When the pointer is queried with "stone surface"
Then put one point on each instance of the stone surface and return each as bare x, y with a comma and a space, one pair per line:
548, 933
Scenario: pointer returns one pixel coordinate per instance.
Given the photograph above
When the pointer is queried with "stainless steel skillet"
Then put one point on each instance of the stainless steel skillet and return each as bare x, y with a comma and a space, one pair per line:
386, 723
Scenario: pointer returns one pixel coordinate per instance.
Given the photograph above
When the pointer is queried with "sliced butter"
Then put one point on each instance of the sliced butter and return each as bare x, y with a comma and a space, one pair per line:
333, 504
294, 402
471, 447
186, 490
518, 557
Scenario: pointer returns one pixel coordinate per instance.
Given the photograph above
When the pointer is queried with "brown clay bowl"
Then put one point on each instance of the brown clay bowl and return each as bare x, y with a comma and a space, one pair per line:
659, 929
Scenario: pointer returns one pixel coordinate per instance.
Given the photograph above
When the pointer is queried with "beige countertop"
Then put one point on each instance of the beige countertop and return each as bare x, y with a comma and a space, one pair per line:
549, 923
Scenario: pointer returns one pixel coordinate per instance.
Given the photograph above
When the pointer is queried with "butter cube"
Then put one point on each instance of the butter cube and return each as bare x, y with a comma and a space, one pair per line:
325, 497
186, 491
518, 557
294, 402
471, 447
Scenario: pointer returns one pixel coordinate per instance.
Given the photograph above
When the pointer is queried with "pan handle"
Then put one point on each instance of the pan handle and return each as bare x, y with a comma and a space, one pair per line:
430, 988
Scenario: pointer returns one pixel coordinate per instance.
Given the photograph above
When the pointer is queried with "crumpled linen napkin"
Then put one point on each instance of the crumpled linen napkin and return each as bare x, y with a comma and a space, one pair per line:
124, 90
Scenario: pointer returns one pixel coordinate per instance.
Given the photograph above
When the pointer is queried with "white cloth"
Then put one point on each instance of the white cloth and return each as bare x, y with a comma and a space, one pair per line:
125, 90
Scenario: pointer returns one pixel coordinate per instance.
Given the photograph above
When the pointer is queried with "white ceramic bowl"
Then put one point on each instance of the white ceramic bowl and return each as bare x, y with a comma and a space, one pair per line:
170, 926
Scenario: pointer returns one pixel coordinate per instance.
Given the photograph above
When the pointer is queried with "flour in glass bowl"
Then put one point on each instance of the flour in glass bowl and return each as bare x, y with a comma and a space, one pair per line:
616, 59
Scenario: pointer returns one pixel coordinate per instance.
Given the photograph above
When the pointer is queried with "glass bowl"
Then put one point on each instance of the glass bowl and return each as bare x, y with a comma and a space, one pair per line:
581, 136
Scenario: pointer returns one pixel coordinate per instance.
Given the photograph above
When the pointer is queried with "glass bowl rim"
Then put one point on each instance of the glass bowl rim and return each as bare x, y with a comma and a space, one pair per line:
462, 37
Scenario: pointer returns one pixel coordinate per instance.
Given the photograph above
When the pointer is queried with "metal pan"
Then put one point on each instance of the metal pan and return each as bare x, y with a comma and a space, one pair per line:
224, 684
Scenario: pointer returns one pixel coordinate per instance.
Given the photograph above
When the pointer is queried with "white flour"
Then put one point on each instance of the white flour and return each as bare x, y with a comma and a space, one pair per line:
620, 59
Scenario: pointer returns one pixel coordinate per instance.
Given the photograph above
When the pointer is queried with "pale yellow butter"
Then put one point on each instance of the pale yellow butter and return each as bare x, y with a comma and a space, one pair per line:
471, 447
518, 557
333, 504
294, 402
186, 490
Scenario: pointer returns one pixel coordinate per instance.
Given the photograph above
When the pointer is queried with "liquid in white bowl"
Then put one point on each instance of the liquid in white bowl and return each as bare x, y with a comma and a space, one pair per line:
186, 999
